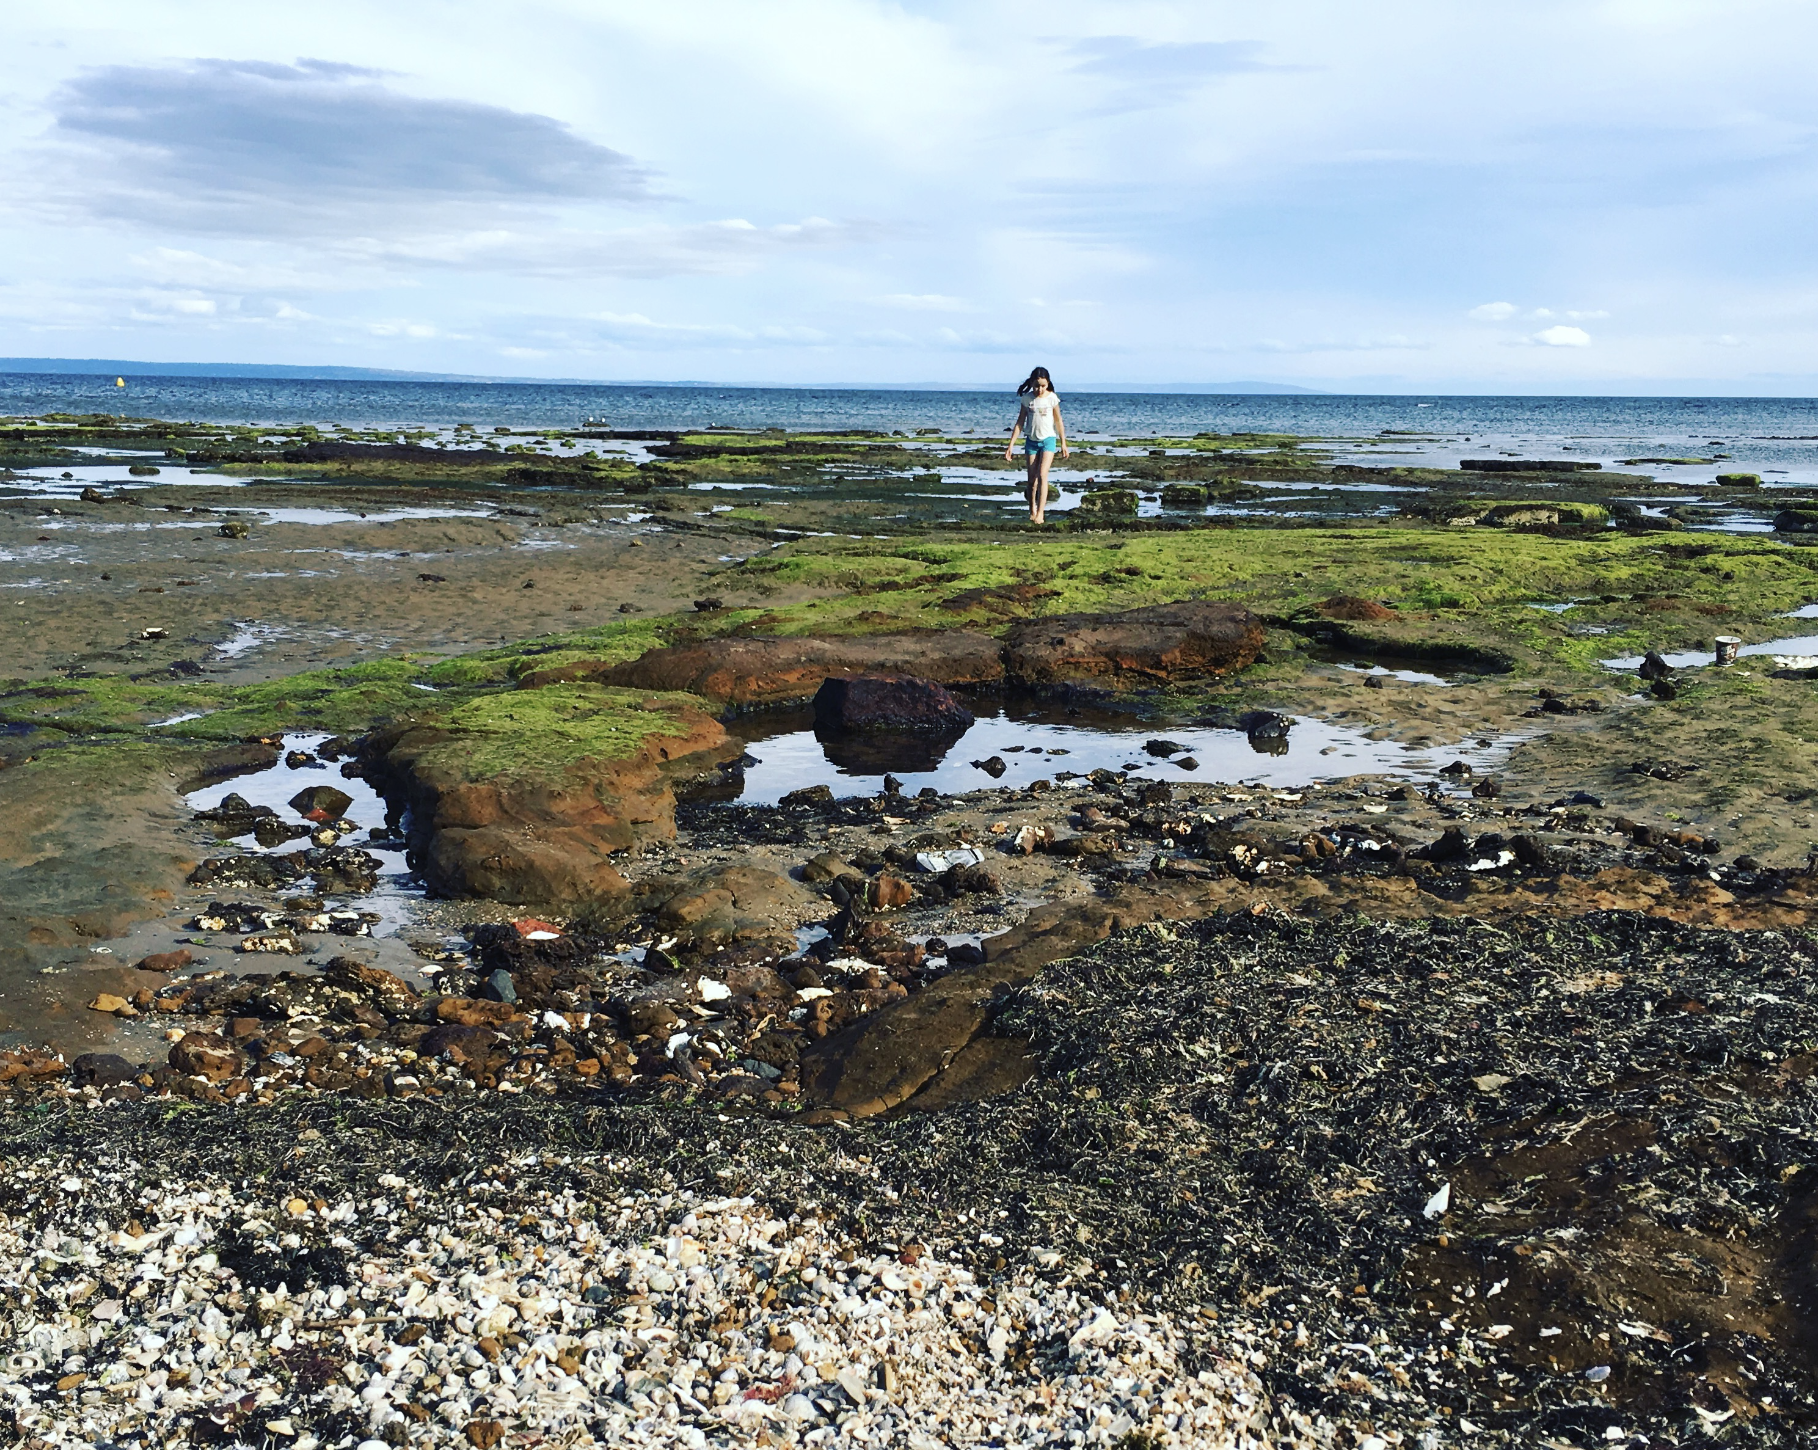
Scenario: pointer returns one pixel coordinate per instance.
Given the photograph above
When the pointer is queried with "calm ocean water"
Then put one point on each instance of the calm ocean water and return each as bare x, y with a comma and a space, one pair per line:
1763, 433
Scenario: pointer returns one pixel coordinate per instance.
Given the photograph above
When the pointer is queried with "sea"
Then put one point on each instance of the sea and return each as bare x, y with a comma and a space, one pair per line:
1777, 437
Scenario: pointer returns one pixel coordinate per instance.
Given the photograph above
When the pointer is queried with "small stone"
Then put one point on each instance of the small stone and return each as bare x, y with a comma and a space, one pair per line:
108, 1002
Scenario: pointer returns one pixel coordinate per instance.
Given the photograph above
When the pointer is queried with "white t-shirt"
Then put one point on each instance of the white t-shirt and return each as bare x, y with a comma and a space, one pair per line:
1042, 409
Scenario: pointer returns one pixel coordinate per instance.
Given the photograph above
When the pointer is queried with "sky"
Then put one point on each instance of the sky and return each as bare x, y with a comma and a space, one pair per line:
1588, 196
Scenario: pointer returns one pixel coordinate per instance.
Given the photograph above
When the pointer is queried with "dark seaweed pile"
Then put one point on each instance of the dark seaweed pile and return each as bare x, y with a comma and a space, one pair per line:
1244, 1120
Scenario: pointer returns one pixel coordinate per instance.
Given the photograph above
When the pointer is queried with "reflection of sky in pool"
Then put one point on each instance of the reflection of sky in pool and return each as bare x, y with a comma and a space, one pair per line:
1799, 646
1035, 745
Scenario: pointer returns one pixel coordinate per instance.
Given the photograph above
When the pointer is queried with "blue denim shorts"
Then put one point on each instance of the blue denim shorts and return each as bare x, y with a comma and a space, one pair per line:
1033, 446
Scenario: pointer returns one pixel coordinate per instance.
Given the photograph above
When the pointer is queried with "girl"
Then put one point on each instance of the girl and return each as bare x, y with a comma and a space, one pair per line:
1044, 431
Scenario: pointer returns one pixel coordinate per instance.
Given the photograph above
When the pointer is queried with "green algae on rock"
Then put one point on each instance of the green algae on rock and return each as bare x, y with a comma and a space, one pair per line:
524, 796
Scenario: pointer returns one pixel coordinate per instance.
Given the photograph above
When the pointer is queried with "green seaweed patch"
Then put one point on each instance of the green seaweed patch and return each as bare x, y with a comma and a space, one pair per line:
540, 734
340, 701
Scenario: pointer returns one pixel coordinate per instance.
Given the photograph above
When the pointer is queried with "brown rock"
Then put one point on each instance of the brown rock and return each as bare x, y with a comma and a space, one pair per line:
763, 670
470, 1012
544, 838
206, 1055
889, 702
108, 1002
888, 892
383, 987
326, 798
165, 961
1361, 611
734, 904
984, 1068
828, 867
1159, 642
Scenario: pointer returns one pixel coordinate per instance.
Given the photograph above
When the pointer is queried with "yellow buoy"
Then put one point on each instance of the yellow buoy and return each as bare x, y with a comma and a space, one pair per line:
119, 382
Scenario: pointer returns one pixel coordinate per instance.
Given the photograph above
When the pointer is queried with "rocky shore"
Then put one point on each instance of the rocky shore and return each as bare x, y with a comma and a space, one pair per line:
1268, 1183
511, 1069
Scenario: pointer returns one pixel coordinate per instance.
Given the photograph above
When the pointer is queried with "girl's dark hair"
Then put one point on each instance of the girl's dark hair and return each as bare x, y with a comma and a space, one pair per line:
1027, 385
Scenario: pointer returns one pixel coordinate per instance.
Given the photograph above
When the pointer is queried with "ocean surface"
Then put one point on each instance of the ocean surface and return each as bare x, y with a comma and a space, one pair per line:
1777, 437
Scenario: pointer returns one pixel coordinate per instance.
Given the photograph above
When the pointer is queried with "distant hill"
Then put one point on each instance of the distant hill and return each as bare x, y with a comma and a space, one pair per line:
125, 367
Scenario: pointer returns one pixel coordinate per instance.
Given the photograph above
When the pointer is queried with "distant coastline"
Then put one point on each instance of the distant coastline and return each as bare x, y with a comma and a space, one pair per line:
128, 367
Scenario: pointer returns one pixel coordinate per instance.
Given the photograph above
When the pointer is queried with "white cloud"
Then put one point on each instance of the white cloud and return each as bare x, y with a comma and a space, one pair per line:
1391, 342
1562, 337
1493, 312
720, 248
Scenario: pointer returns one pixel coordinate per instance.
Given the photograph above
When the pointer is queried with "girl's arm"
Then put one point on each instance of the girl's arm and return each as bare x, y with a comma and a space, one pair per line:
1017, 427
1060, 426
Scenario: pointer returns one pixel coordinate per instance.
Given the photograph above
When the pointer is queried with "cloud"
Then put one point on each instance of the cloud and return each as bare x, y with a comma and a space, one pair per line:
718, 248
1562, 337
1152, 72
1504, 311
1393, 341
634, 328
244, 146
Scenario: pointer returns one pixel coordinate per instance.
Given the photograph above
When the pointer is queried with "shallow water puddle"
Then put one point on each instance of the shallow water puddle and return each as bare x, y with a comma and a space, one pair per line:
249, 637
347, 516
1793, 647
398, 890
43, 483
1406, 676
1040, 744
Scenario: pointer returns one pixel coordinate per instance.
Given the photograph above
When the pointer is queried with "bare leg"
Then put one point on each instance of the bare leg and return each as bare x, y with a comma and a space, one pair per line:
1038, 489
1029, 486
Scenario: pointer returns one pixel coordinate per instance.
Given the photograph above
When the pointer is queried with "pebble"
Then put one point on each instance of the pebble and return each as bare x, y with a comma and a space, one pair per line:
150, 1312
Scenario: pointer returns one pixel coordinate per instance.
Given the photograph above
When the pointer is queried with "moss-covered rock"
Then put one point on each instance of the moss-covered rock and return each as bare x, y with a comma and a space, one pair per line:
1108, 503
1185, 495
524, 796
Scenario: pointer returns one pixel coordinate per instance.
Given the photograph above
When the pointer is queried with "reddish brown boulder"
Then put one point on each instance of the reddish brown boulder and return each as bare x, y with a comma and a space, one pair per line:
764, 671
542, 831
1160, 642
1359, 611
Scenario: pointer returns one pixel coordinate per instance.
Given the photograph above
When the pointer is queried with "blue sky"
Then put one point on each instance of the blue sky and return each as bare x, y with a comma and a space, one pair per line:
1408, 196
